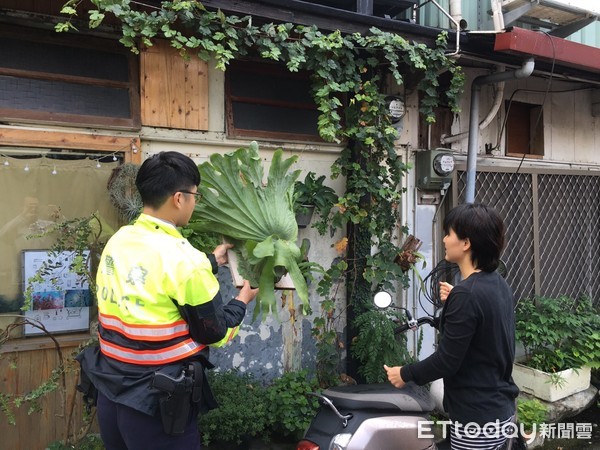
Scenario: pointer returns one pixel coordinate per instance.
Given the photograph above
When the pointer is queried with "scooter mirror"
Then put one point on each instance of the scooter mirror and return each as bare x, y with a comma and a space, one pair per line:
382, 299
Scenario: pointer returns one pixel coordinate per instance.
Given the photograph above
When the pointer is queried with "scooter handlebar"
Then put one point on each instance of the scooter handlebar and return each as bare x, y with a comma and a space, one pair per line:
413, 325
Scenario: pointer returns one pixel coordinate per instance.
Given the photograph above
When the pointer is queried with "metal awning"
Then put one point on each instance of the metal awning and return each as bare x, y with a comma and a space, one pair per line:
560, 17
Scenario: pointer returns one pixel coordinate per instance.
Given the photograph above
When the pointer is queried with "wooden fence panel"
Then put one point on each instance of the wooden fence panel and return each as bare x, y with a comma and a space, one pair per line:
21, 372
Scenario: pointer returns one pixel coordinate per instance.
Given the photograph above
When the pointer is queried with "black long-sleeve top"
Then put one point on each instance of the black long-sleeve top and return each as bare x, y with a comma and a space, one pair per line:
476, 351
209, 322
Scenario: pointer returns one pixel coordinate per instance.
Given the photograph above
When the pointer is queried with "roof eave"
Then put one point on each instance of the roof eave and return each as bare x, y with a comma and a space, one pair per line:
326, 18
542, 46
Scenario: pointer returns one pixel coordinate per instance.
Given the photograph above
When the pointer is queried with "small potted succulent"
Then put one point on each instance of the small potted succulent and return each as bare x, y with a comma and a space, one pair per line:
312, 194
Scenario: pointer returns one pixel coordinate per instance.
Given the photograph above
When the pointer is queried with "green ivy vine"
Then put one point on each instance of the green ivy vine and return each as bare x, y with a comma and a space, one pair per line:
347, 73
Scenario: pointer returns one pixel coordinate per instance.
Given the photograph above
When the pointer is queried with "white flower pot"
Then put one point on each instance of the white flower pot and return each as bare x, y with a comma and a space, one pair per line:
539, 384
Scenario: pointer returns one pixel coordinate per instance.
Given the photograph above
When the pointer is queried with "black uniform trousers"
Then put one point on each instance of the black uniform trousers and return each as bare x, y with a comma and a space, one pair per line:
124, 428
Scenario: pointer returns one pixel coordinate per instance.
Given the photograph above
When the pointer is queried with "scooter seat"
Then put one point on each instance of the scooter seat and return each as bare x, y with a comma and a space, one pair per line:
384, 396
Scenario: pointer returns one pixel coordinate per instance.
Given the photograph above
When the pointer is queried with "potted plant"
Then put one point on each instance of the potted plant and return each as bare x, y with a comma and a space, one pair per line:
312, 194
561, 339
409, 255
240, 395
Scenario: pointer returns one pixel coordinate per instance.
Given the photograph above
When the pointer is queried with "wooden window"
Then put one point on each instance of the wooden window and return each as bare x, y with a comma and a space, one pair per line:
67, 79
268, 101
524, 130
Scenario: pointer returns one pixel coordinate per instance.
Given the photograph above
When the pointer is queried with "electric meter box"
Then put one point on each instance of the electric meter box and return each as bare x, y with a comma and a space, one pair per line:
434, 169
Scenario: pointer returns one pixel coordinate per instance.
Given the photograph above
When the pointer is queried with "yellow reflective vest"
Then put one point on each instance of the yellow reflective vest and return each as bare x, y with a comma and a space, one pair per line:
146, 269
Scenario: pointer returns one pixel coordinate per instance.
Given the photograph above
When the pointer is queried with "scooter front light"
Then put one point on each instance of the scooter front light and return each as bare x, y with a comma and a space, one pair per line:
340, 441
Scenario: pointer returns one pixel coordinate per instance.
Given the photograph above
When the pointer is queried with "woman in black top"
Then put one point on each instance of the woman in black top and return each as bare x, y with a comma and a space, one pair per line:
477, 326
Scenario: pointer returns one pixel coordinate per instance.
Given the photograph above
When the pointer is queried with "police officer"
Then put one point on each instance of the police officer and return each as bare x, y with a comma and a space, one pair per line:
159, 309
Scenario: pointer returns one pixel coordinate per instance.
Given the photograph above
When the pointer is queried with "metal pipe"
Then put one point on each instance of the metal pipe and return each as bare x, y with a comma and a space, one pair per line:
443, 11
485, 122
456, 24
497, 15
456, 10
523, 72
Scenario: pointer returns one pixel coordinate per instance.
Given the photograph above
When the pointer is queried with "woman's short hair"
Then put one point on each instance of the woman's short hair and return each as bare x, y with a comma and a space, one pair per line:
163, 174
484, 228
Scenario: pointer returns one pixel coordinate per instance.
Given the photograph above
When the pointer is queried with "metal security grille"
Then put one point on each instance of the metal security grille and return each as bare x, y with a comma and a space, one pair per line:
553, 228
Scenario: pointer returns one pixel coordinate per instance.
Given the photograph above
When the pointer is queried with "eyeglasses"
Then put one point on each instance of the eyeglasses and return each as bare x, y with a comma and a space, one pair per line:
198, 195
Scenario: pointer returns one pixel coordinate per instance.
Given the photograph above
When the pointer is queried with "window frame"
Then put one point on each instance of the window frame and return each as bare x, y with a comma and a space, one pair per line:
112, 145
267, 69
531, 151
75, 120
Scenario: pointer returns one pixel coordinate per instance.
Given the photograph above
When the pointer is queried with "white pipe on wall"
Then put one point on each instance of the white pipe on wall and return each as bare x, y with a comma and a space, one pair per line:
497, 16
499, 96
523, 72
456, 10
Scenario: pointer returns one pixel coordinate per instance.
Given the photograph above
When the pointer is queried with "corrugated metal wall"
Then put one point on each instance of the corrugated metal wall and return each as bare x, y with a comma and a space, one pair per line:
589, 35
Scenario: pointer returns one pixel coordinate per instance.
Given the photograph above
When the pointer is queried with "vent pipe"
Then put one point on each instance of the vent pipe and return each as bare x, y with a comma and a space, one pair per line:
523, 72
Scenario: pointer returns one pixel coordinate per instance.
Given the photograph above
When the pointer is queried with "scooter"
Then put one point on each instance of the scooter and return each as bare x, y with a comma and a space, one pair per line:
374, 416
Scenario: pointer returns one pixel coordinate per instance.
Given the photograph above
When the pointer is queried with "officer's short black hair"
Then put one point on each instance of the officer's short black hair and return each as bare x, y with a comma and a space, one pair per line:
163, 174
484, 228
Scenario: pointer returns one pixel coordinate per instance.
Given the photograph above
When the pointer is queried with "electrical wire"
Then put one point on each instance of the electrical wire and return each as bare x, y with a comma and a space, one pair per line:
430, 288
447, 272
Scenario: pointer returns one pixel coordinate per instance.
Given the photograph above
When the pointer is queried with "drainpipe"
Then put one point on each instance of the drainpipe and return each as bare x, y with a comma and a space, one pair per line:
497, 15
456, 10
523, 72
483, 125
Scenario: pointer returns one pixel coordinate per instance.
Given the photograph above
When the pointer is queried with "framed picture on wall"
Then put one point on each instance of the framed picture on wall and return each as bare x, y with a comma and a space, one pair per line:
60, 298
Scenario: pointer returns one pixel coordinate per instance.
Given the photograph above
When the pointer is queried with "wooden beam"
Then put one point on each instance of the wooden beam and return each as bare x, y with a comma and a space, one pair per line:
18, 137
42, 342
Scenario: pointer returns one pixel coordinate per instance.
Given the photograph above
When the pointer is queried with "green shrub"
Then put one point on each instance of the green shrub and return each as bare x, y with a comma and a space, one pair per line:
290, 408
242, 410
559, 333
530, 412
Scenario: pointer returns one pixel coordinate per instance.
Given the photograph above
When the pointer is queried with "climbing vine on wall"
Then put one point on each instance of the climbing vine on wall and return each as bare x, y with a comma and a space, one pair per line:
352, 67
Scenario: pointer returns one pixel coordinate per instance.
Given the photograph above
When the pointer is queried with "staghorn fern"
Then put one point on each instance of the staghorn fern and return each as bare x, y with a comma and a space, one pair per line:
257, 217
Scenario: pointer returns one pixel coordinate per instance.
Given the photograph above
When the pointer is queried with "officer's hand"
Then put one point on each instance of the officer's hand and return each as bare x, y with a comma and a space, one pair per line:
221, 253
247, 294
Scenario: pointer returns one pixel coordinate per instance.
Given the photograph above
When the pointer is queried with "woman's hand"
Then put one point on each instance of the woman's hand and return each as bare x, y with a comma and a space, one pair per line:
393, 374
445, 289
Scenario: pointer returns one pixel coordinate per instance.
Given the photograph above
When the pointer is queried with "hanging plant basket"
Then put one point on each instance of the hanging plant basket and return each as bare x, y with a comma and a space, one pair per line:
304, 215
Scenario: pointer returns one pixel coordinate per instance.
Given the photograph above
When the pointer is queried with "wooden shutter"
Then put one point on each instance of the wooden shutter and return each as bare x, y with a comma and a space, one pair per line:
174, 92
